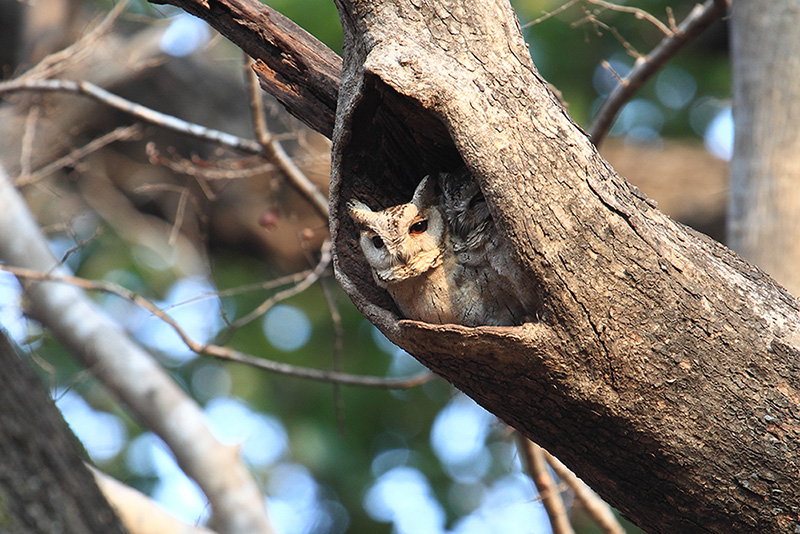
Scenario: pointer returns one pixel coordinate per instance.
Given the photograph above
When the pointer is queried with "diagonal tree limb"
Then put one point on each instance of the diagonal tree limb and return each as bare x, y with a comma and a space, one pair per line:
131, 374
698, 20
139, 513
299, 70
535, 464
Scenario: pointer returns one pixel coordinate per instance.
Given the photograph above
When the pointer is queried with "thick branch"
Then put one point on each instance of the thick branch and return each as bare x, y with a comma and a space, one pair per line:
138, 512
660, 366
299, 70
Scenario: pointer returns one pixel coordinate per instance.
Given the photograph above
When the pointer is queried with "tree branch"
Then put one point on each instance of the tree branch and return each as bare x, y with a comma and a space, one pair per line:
698, 20
226, 353
536, 465
138, 111
299, 70
131, 374
138, 512
274, 152
597, 508
267, 146
122, 133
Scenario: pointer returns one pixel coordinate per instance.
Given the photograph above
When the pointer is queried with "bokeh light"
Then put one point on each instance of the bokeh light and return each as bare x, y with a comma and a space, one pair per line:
184, 35
103, 434
287, 327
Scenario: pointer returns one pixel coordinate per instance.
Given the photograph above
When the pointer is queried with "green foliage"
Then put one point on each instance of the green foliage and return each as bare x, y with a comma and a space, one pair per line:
318, 17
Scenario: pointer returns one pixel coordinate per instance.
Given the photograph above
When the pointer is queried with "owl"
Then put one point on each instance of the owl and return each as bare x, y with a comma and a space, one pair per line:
439, 256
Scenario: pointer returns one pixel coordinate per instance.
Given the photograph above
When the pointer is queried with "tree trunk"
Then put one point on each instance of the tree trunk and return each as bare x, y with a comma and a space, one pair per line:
44, 485
662, 368
764, 216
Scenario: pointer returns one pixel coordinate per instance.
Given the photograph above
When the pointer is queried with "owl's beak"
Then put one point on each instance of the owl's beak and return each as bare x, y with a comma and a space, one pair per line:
401, 257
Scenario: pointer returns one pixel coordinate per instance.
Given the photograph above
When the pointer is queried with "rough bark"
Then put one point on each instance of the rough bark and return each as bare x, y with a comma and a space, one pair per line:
44, 484
764, 215
301, 72
663, 367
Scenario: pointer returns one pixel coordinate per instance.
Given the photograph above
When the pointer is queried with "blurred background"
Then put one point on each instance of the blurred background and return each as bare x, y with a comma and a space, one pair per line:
202, 230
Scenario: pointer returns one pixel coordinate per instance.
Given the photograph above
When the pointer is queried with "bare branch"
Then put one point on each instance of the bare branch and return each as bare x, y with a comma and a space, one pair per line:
196, 170
217, 351
138, 111
640, 14
131, 374
26, 150
267, 146
301, 286
138, 512
274, 152
536, 465
122, 133
551, 14
338, 346
60, 61
697, 21
596, 507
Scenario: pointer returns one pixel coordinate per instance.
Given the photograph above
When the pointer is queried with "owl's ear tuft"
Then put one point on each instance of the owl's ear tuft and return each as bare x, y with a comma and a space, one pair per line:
425, 194
361, 213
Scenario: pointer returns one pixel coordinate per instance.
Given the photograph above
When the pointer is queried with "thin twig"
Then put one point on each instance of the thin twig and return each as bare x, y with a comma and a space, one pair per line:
607, 66
62, 60
202, 171
640, 14
338, 348
79, 245
28, 136
122, 133
275, 153
550, 14
596, 507
305, 283
180, 212
536, 465
139, 111
699, 19
225, 353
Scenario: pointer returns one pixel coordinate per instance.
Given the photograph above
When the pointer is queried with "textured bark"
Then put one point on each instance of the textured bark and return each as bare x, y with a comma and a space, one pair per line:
301, 72
663, 369
764, 216
44, 485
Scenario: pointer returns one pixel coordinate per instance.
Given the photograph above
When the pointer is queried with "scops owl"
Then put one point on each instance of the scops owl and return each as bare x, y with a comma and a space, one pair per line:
439, 256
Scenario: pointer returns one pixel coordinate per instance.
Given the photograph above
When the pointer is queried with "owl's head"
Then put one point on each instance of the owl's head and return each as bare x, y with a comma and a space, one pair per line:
403, 241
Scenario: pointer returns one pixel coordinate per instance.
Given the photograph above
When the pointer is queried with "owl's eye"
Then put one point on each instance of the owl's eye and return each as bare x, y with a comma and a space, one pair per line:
418, 227
377, 242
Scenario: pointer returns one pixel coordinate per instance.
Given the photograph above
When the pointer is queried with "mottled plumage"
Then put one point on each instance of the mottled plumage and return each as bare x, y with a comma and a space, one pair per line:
439, 256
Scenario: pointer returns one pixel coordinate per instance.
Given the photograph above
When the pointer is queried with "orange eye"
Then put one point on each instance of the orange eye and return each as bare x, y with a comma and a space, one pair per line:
418, 227
377, 242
